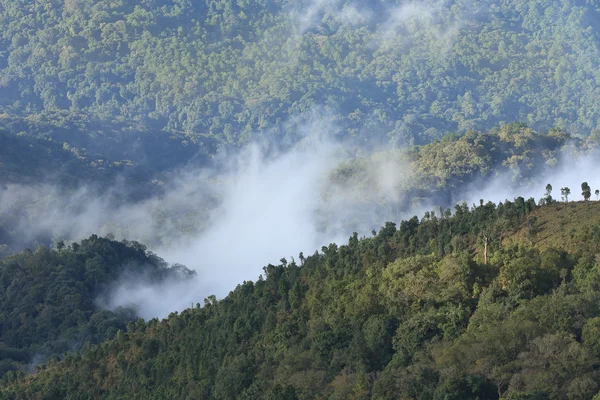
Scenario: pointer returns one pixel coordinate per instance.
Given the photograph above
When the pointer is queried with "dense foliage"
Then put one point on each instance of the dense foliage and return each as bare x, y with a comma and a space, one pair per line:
92, 151
48, 297
224, 70
26, 160
478, 303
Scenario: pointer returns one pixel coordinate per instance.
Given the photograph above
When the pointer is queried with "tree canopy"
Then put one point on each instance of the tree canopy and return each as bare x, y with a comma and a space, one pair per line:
415, 311
48, 298
225, 70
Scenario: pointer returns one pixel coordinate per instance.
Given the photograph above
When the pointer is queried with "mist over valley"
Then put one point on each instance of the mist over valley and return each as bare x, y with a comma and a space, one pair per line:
295, 200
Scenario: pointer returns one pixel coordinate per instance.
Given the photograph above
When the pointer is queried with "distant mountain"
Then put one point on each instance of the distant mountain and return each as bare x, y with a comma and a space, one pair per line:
226, 70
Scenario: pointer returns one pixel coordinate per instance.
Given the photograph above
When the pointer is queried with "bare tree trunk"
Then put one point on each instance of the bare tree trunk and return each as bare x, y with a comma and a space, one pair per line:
485, 245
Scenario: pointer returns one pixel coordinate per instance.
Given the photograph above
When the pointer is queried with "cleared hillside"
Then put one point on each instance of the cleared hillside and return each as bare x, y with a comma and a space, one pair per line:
560, 225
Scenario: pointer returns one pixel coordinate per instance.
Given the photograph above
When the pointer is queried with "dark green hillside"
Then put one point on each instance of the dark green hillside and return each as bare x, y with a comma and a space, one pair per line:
47, 297
109, 147
117, 99
27, 160
419, 311
411, 71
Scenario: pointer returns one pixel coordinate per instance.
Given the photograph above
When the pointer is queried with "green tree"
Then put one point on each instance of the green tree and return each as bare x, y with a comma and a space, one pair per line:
548, 196
591, 335
586, 191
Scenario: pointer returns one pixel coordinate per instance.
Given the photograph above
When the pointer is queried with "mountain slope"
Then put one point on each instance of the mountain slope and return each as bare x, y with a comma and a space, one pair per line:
413, 312
411, 71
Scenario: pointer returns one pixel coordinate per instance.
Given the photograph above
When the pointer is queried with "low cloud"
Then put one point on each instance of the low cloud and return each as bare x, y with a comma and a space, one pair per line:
258, 205
225, 223
393, 26
149, 298
570, 171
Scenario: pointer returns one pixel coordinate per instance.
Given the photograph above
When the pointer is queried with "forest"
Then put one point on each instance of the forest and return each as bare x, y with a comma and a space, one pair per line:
48, 297
213, 74
437, 174
490, 301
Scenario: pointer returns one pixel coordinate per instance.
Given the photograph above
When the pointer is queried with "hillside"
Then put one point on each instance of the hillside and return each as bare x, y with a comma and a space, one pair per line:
412, 312
445, 169
49, 298
226, 71
28, 160
559, 225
